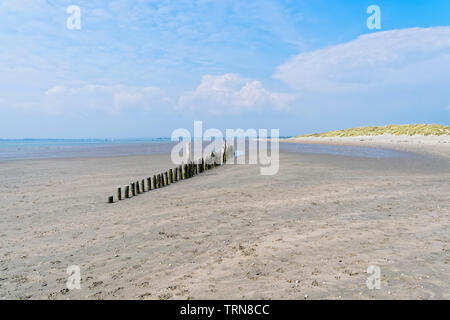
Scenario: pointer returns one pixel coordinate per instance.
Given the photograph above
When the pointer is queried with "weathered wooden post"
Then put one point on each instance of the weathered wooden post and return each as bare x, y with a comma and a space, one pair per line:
119, 194
175, 173
133, 189
155, 184
127, 192
111, 199
138, 188
170, 176
166, 175
149, 183
143, 185
224, 159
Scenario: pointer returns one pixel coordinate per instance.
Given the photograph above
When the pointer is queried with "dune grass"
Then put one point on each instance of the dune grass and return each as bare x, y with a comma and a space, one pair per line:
396, 130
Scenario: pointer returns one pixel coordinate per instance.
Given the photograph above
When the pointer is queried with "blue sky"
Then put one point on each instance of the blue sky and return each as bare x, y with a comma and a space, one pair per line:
144, 68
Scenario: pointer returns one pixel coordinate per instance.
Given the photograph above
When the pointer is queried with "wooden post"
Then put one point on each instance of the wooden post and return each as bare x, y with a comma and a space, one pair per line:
111, 199
127, 192
149, 183
175, 174
119, 194
224, 159
161, 182
155, 184
133, 189
143, 185
170, 176
166, 175
138, 188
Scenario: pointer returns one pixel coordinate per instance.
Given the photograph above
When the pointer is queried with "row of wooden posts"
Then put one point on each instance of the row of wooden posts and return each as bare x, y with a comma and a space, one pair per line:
161, 180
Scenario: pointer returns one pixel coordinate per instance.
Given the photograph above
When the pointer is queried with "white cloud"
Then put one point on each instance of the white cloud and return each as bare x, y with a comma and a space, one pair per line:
401, 58
233, 93
110, 99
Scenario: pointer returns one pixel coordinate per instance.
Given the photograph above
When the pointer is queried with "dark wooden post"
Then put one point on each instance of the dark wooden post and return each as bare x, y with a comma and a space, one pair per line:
119, 194
127, 192
138, 188
143, 185
224, 159
170, 176
161, 182
133, 189
175, 174
111, 199
155, 184
166, 175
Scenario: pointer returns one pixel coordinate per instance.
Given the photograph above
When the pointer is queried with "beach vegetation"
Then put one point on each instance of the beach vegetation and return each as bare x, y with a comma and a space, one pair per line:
393, 129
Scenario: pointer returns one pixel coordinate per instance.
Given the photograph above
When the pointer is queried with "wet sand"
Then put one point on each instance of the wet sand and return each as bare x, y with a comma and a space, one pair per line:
312, 230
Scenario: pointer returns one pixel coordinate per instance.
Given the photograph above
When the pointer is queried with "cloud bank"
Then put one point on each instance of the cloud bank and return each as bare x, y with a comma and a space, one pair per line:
233, 93
109, 99
407, 57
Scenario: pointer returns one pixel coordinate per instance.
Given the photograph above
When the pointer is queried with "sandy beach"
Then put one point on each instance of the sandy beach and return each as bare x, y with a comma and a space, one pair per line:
311, 231
436, 145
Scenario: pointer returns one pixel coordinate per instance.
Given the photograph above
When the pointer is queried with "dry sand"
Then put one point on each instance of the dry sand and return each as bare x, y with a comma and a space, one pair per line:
436, 145
231, 233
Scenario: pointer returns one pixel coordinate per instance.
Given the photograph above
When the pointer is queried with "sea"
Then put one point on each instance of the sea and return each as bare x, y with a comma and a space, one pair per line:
28, 149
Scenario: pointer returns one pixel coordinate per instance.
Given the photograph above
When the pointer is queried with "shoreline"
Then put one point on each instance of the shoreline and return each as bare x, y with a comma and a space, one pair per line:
426, 145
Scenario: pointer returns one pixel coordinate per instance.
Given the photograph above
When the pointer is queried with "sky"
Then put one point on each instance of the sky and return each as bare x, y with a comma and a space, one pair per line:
143, 68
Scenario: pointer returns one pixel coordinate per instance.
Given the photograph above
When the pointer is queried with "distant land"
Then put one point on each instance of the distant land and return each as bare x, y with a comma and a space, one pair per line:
393, 129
